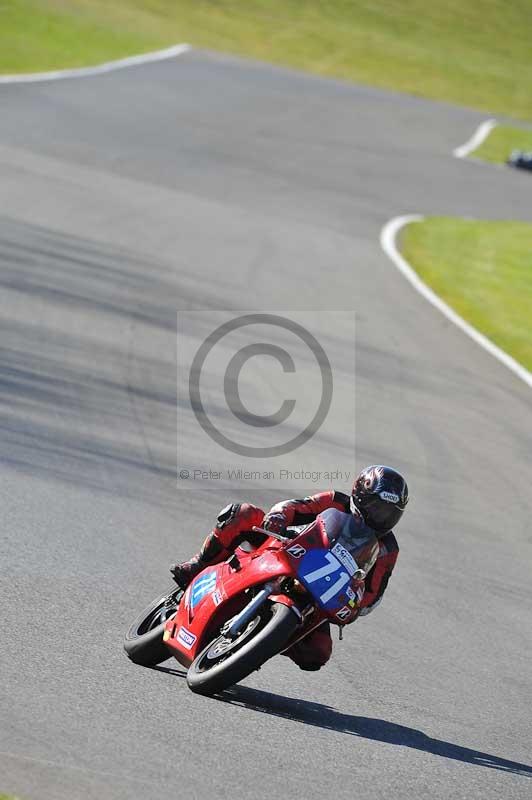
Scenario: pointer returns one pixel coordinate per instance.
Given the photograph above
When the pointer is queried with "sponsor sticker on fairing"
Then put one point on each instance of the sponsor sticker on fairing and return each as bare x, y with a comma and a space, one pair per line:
296, 551
344, 613
345, 558
186, 638
390, 497
354, 597
217, 598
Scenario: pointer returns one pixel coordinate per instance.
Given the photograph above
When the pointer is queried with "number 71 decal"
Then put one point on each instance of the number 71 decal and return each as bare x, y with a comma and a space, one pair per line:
328, 569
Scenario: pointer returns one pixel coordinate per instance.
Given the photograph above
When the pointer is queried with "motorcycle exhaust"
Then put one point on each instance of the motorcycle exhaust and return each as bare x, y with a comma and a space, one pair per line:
246, 615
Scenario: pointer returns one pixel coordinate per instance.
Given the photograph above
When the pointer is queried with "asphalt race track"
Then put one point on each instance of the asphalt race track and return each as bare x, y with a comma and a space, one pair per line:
207, 182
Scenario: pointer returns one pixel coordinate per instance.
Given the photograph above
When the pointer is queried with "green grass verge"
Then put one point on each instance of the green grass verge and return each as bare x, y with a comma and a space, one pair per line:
7, 797
500, 143
483, 270
473, 52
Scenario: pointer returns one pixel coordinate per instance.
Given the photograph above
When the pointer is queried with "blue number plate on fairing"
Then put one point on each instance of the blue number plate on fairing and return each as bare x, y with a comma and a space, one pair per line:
202, 586
324, 576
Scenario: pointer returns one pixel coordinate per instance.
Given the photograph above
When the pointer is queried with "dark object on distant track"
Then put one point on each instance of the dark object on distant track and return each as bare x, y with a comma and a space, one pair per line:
520, 159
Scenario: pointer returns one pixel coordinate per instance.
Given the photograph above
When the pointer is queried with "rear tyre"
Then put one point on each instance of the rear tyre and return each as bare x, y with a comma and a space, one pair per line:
225, 662
143, 642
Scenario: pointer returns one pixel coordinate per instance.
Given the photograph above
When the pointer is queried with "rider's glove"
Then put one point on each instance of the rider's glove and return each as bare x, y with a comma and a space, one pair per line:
275, 523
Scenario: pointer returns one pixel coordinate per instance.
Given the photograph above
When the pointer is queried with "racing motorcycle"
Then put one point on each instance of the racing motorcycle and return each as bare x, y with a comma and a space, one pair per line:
268, 595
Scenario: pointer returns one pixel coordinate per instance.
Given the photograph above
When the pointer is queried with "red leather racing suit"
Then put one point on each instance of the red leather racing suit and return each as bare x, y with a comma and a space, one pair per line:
314, 650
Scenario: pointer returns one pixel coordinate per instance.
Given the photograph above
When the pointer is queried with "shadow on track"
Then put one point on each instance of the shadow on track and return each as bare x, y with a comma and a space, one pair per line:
88, 359
379, 730
77, 386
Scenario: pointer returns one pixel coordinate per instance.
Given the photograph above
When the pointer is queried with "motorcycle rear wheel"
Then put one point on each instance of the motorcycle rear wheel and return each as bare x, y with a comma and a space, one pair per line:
143, 642
224, 662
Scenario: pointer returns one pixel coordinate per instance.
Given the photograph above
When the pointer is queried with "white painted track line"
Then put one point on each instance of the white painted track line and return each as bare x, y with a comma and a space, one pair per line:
100, 69
481, 133
389, 245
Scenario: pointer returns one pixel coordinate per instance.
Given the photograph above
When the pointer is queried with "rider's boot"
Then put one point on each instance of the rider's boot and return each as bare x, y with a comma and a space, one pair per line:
212, 551
233, 521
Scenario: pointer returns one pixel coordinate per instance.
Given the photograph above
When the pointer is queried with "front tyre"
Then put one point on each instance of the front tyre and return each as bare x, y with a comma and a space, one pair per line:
225, 662
144, 640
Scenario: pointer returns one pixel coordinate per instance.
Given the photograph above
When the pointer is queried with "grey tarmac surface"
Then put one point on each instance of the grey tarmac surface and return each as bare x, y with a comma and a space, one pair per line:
213, 183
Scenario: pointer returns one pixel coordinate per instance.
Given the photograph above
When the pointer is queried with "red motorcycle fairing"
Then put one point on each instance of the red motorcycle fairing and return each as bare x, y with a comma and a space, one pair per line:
217, 594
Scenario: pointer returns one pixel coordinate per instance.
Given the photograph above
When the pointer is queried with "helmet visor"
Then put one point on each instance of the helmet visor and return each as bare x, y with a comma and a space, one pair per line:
381, 515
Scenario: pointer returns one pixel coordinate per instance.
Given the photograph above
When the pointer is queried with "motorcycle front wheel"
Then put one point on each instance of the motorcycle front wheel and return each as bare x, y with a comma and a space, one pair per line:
225, 661
144, 640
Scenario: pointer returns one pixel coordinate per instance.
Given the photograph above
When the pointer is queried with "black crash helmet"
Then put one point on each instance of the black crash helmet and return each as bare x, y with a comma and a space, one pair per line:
380, 494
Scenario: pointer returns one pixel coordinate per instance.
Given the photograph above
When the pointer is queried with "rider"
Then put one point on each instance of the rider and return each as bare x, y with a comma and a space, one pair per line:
378, 499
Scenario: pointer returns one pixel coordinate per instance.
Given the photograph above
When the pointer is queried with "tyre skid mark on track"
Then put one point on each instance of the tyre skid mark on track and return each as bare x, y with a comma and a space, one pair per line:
57, 765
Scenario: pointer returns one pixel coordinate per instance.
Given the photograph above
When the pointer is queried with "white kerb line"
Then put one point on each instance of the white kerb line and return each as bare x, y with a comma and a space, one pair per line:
481, 133
100, 69
388, 243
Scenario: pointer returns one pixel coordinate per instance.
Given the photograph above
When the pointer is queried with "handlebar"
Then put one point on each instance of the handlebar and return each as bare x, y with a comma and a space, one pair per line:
277, 536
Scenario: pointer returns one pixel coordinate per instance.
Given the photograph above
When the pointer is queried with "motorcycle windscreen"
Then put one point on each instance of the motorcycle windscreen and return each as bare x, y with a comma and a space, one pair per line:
352, 535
